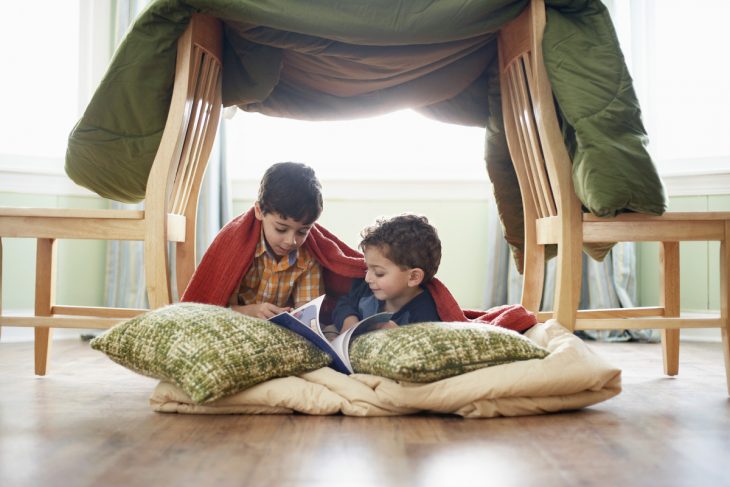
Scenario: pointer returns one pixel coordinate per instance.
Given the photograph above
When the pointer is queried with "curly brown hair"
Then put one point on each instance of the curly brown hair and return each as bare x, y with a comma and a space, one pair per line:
407, 240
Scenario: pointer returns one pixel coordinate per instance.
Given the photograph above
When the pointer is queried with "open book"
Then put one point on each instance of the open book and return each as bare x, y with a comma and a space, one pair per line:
304, 321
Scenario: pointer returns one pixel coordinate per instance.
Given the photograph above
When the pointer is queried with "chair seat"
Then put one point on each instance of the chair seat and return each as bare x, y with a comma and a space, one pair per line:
61, 223
669, 216
71, 213
634, 227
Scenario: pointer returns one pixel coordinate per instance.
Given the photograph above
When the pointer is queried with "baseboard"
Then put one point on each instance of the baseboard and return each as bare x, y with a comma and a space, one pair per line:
700, 335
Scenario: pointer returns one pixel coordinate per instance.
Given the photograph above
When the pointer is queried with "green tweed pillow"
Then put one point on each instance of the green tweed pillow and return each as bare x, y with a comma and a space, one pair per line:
208, 351
427, 352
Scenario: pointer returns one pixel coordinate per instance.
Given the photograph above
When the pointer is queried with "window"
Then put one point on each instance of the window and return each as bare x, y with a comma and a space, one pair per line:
403, 145
55, 53
40, 76
676, 54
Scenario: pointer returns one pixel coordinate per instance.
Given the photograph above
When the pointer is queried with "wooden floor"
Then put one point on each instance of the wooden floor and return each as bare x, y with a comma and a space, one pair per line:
88, 423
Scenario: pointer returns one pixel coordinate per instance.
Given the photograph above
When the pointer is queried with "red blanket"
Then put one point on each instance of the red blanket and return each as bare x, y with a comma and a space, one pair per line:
231, 253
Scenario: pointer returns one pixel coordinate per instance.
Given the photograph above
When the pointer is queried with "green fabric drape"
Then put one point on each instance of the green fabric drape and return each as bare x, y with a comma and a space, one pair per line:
328, 59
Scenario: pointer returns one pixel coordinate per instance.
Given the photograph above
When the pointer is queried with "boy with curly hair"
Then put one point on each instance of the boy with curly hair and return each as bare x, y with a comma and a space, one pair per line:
402, 255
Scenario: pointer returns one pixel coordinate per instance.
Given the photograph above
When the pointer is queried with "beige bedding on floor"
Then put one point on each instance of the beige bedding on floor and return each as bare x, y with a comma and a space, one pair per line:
571, 377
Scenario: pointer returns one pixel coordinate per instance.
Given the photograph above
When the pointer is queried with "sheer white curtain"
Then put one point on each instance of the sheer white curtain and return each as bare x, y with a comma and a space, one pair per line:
676, 53
125, 283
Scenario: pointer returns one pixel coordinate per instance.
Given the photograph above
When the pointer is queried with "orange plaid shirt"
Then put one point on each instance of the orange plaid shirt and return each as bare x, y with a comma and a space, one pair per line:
292, 280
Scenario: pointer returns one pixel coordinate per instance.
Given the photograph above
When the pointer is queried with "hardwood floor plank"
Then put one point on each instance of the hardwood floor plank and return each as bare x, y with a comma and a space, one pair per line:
88, 423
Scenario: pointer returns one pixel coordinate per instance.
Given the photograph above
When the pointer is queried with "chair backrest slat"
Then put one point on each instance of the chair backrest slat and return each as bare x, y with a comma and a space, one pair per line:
524, 171
209, 79
538, 151
177, 172
533, 158
191, 163
519, 92
537, 161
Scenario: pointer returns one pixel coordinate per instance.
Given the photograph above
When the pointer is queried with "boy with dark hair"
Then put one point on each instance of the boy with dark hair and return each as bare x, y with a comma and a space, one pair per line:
402, 255
282, 274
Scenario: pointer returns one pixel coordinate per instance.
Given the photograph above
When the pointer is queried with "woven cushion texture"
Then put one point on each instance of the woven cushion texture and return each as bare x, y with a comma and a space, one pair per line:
428, 352
208, 351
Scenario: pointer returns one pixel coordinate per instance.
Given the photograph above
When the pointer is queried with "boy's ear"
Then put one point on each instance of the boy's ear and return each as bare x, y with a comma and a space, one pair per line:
257, 211
415, 277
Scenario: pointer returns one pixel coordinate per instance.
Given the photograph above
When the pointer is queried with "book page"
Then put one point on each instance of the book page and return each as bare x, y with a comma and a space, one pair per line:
369, 323
309, 314
341, 344
313, 334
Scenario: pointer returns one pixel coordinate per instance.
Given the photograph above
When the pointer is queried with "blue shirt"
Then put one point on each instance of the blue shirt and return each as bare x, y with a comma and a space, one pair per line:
361, 302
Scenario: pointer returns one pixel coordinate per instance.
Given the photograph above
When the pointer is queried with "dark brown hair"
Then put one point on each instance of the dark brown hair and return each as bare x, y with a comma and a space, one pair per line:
292, 190
408, 241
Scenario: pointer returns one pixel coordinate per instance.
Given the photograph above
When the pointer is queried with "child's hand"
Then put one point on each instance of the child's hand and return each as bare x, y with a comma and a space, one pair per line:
386, 325
260, 310
349, 322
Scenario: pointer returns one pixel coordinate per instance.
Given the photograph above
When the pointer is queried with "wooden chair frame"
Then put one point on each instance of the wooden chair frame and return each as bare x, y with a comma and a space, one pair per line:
170, 205
553, 212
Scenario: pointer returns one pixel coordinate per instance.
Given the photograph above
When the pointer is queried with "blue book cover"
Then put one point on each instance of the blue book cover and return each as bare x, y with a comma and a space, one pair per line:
304, 321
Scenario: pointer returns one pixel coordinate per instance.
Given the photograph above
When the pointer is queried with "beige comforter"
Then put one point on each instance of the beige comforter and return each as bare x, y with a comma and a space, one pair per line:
571, 377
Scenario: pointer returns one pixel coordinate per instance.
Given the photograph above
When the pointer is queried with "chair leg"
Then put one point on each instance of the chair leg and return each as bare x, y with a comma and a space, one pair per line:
156, 271
567, 288
45, 285
669, 297
569, 274
670, 351
184, 263
533, 277
725, 300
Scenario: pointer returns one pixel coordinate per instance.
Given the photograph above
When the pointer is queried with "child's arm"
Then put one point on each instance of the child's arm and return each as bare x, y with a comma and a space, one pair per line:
257, 310
260, 310
385, 325
349, 322
346, 312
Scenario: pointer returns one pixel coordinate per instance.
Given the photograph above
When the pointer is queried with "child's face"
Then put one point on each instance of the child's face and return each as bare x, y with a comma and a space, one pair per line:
282, 234
386, 279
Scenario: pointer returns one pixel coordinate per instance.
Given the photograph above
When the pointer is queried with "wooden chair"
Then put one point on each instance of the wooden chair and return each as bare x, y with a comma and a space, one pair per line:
553, 212
170, 204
